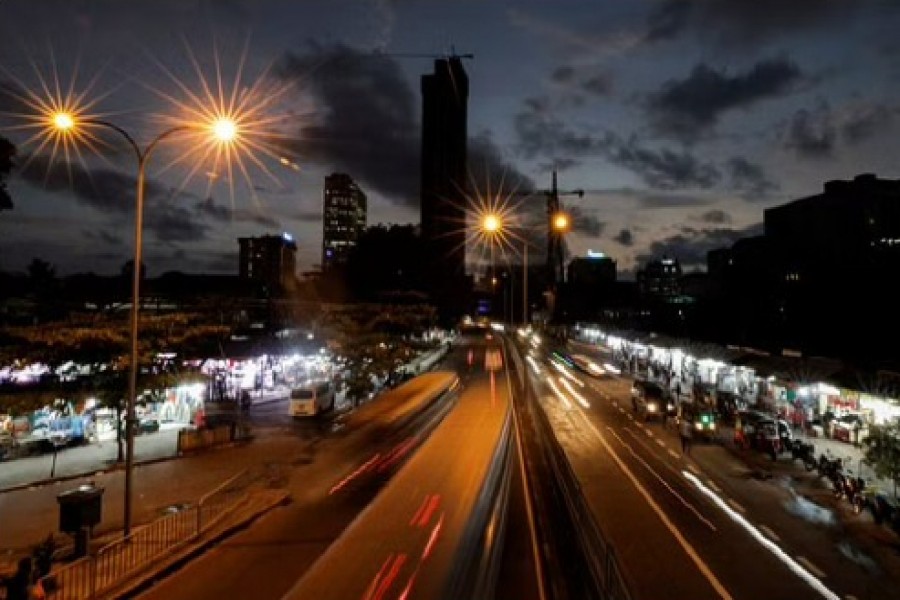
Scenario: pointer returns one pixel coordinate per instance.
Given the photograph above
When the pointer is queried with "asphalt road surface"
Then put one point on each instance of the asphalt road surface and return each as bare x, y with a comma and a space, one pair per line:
690, 526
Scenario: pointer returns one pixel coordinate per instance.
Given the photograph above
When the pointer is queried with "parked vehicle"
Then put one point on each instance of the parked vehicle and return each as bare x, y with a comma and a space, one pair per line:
828, 467
847, 428
702, 419
311, 399
650, 401
806, 453
852, 488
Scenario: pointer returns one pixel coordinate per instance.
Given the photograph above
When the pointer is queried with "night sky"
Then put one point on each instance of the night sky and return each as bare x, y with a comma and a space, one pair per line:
681, 119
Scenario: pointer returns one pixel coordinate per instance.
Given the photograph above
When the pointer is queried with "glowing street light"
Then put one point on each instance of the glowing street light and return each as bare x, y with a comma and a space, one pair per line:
492, 223
220, 135
225, 130
63, 121
561, 222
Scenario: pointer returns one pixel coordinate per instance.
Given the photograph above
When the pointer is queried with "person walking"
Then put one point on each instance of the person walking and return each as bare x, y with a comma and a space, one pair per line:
686, 432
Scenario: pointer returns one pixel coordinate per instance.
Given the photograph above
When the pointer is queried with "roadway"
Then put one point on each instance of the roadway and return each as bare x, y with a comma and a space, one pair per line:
689, 526
347, 463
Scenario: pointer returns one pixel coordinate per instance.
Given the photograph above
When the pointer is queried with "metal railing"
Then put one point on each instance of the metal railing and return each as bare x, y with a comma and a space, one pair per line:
92, 576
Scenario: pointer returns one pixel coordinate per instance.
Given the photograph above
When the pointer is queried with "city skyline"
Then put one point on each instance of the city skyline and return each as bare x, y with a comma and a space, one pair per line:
682, 121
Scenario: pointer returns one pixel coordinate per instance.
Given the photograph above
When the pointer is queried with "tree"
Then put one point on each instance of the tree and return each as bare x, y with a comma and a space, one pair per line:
882, 449
7, 152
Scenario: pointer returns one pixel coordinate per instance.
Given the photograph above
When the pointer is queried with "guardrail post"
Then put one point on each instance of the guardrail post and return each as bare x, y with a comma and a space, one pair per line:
92, 576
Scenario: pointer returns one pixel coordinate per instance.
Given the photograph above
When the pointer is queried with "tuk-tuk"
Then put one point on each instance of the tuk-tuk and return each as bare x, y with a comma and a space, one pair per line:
702, 418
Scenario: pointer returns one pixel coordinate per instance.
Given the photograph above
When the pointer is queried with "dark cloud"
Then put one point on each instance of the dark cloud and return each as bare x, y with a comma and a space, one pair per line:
625, 237
740, 23
865, 122
563, 74
749, 179
743, 22
688, 107
600, 85
585, 223
488, 167
667, 20
716, 217
103, 236
217, 212
655, 200
811, 133
366, 121
691, 244
112, 193
663, 168
559, 165
541, 133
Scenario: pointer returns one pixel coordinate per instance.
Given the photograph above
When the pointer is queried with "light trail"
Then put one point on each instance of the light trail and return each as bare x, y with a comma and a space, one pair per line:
774, 548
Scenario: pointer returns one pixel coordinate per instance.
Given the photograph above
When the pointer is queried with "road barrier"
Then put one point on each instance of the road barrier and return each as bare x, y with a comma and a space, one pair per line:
603, 574
93, 576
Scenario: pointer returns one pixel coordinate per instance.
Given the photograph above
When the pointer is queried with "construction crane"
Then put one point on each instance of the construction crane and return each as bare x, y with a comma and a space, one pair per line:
555, 230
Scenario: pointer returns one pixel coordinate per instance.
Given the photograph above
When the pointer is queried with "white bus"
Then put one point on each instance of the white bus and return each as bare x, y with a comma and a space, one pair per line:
311, 399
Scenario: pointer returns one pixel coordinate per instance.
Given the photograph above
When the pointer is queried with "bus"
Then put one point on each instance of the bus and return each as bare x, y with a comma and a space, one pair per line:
311, 399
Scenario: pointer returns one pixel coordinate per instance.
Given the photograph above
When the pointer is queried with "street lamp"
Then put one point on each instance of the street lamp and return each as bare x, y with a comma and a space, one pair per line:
222, 131
492, 226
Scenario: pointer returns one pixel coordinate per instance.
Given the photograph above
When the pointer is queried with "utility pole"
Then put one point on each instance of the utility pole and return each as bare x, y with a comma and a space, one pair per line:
555, 255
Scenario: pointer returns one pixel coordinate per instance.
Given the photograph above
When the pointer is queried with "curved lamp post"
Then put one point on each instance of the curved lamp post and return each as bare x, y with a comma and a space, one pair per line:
223, 131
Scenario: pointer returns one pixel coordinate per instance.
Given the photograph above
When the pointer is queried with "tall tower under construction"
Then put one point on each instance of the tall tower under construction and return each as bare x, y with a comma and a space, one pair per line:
445, 95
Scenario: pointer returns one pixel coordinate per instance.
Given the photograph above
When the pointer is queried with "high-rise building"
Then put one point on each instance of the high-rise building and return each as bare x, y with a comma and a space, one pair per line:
445, 96
660, 278
269, 260
343, 219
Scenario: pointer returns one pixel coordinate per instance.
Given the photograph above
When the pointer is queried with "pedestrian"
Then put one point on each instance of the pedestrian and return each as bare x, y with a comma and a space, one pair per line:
740, 438
18, 587
686, 432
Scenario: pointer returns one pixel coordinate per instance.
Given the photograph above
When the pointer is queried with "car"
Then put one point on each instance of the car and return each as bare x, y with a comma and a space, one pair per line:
702, 419
848, 428
650, 400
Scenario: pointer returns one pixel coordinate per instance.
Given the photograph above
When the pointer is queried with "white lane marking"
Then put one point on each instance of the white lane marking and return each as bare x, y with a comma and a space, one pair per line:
685, 545
562, 397
791, 564
660, 443
733, 504
659, 478
674, 454
811, 567
769, 533
712, 484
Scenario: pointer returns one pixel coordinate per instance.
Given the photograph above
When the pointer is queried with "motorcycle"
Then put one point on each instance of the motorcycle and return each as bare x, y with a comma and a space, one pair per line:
829, 468
845, 485
805, 452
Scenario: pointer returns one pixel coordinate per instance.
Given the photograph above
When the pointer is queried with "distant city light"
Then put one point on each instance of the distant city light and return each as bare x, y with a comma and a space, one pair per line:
593, 254
287, 237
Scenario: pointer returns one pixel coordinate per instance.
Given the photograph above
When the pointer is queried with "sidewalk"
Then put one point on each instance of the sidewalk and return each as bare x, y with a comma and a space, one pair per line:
86, 459
852, 458
28, 515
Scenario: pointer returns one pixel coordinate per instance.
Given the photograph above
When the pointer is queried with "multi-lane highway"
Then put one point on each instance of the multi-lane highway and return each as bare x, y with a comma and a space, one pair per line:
688, 526
442, 448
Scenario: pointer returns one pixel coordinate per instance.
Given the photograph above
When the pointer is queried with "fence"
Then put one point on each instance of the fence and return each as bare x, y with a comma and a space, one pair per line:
91, 576
190, 440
